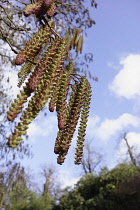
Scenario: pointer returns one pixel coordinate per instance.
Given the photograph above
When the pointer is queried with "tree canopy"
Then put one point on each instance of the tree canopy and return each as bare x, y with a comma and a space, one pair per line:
115, 189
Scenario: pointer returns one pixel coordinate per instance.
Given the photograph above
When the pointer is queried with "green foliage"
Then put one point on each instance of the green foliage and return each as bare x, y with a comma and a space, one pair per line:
105, 191
29, 201
117, 189
16, 192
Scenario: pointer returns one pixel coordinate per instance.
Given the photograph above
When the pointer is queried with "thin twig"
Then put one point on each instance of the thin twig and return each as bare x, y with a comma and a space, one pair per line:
77, 5
7, 40
21, 2
53, 31
11, 46
31, 61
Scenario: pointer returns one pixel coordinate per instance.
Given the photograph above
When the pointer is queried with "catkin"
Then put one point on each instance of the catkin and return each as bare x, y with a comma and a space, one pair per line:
33, 45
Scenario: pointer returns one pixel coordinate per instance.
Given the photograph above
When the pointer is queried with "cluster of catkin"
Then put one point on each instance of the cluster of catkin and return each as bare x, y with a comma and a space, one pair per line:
41, 8
51, 79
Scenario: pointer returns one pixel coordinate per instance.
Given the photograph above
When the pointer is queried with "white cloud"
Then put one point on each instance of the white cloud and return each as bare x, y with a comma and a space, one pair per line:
66, 179
127, 82
43, 127
104, 130
92, 124
109, 127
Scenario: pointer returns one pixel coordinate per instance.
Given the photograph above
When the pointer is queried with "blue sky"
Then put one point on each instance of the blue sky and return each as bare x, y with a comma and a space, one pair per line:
115, 108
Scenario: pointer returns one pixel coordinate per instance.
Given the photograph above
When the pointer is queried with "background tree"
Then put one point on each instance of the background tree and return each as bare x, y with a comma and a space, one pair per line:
91, 158
130, 151
18, 191
102, 191
15, 184
51, 186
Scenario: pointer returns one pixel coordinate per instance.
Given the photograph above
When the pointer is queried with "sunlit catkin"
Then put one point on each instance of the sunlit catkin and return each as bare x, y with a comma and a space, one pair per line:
33, 45
61, 104
51, 10
61, 133
43, 64
83, 123
33, 8
51, 79
72, 121
17, 106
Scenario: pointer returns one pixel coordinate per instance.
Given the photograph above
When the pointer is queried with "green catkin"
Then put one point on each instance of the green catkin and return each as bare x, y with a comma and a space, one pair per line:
71, 122
36, 104
27, 117
33, 45
53, 98
33, 8
17, 106
61, 133
79, 44
82, 41
40, 8
44, 63
61, 99
58, 76
53, 71
51, 10
75, 38
50, 80
83, 124
55, 92
61, 104
27, 68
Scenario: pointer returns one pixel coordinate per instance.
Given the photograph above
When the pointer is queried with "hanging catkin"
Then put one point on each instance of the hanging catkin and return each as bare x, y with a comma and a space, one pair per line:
33, 45
51, 78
